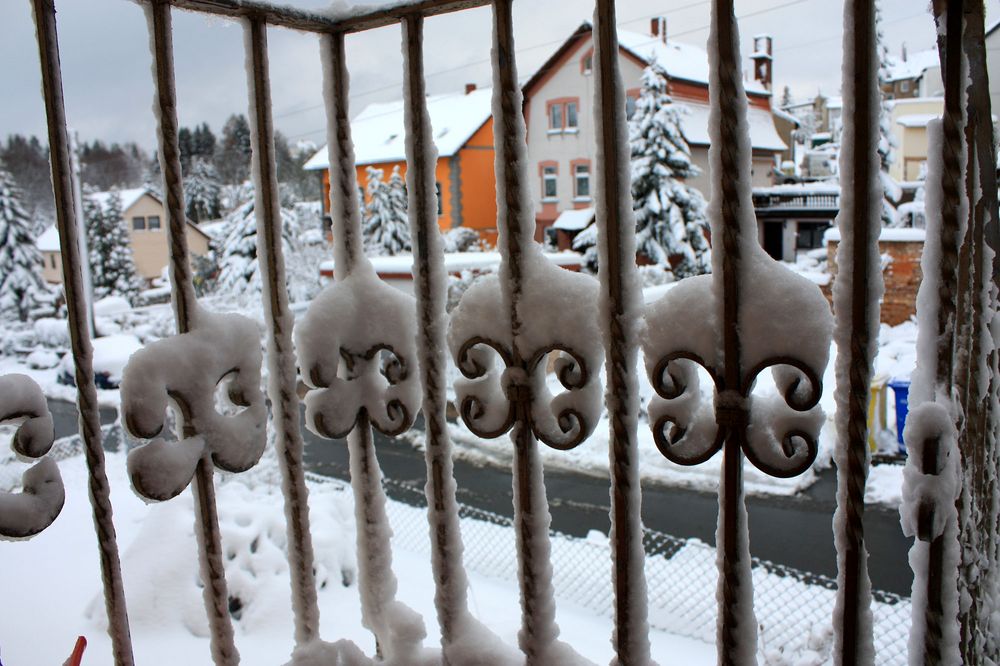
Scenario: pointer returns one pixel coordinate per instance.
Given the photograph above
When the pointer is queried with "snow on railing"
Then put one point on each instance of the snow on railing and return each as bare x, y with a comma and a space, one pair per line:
373, 357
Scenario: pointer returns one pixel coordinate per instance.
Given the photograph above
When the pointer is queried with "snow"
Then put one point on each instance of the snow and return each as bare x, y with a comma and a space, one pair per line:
111, 354
379, 136
24, 514
49, 240
185, 370
574, 220
914, 66
886, 235
110, 306
819, 187
455, 262
129, 197
763, 135
917, 119
160, 571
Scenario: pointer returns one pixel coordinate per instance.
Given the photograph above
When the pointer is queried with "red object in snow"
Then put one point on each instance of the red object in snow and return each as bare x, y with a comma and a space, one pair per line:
77, 657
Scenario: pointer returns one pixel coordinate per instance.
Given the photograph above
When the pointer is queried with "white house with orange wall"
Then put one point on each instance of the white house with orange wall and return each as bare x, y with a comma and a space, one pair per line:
146, 219
562, 144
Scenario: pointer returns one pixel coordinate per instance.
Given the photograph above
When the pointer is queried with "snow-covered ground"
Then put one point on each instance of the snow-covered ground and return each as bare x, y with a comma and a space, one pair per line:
55, 579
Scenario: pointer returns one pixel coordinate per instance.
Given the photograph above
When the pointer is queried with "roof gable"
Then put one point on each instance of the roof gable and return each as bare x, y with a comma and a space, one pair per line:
379, 134
129, 197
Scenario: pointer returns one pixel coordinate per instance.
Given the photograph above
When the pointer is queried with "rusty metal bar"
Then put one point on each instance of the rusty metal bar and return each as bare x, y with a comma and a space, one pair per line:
306, 21
215, 590
857, 313
735, 599
76, 304
620, 298
538, 628
282, 377
431, 287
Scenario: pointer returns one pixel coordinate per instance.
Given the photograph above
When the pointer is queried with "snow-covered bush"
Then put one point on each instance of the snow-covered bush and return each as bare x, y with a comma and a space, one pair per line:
462, 239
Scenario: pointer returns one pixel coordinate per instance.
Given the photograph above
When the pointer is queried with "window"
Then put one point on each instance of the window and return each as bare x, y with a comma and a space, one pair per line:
153, 221
571, 120
581, 179
904, 86
555, 117
588, 63
549, 178
437, 191
52, 260
138, 223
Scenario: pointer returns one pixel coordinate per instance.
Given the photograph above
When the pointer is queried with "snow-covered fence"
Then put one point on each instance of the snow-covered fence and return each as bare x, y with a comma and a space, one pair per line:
373, 357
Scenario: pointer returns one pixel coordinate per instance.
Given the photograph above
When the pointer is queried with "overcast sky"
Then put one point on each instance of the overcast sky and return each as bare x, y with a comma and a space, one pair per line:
106, 60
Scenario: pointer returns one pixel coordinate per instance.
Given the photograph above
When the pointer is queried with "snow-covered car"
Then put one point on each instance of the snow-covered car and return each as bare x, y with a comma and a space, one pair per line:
111, 353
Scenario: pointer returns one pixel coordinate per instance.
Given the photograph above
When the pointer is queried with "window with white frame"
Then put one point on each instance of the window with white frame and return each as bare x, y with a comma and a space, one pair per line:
549, 182
581, 181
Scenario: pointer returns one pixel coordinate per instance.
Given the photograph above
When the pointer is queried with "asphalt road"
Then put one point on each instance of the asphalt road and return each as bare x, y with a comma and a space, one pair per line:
794, 531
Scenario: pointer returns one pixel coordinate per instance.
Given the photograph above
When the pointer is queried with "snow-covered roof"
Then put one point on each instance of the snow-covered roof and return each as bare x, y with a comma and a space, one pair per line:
574, 220
681, 61
917, 119
379, 136
129, 197
790, 117
914, 66
819, 187
49, 240
763, 134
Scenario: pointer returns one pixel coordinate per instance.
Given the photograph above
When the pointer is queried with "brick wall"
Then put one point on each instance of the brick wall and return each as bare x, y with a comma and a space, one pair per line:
902, 278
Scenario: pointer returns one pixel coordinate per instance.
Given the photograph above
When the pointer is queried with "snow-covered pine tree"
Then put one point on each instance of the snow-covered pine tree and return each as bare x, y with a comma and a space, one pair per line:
21, 283
236, 250
671, 219
786, 98
386, 228
886, 142
112, 267
201, 191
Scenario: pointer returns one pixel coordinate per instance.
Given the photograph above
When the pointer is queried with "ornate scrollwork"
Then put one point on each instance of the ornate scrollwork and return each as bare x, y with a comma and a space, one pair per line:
379, 381
780, 430
41, 499
493, 398
186, 371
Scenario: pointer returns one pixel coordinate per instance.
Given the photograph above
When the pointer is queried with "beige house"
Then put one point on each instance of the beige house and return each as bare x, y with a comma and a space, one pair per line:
909, 128
558, 107
146, 219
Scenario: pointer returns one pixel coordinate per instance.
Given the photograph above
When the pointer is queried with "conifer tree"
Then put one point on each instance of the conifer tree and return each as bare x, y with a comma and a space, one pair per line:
886, 141
386, 227
202, 192
671, 220
21, 283
236, 252
112, 268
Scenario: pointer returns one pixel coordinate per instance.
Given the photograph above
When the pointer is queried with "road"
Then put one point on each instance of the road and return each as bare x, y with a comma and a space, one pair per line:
794, 531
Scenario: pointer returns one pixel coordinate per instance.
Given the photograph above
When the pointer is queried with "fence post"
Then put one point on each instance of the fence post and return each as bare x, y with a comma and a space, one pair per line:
83, 353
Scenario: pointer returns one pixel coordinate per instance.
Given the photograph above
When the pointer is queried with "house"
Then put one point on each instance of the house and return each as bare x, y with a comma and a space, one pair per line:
462, 126
914, 75
794, 217
558, 108
910, 117
146, 219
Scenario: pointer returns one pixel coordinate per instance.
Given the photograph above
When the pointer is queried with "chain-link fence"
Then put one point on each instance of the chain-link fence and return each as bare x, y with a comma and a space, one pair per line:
794, 608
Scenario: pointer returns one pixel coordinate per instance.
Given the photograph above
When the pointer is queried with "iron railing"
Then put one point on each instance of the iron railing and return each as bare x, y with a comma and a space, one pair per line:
737, 337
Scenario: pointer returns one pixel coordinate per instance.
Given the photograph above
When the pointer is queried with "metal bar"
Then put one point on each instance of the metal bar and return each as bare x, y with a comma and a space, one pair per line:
620, 311
734, 638
858, 316
306, 21
431, 286
185, 305
538, 628
76, 306
282, 377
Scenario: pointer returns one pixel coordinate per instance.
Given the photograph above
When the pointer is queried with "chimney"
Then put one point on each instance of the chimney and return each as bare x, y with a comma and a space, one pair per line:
762, 60
658, 28
904, 51
469, 88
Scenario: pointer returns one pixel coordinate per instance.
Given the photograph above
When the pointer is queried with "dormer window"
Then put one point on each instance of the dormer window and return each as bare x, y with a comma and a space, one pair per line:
587, 64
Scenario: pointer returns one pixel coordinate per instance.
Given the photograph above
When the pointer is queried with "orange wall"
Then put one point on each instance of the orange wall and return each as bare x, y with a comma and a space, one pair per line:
477, 184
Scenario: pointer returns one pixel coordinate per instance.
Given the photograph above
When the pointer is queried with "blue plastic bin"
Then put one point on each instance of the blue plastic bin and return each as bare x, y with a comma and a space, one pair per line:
901, 389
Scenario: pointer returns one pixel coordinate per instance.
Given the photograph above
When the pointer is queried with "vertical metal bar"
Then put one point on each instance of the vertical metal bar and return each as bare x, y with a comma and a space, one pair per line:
215, 593
282, 376
516, 230
620, 297
442, 508
76, 305
857, 311
735, 638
